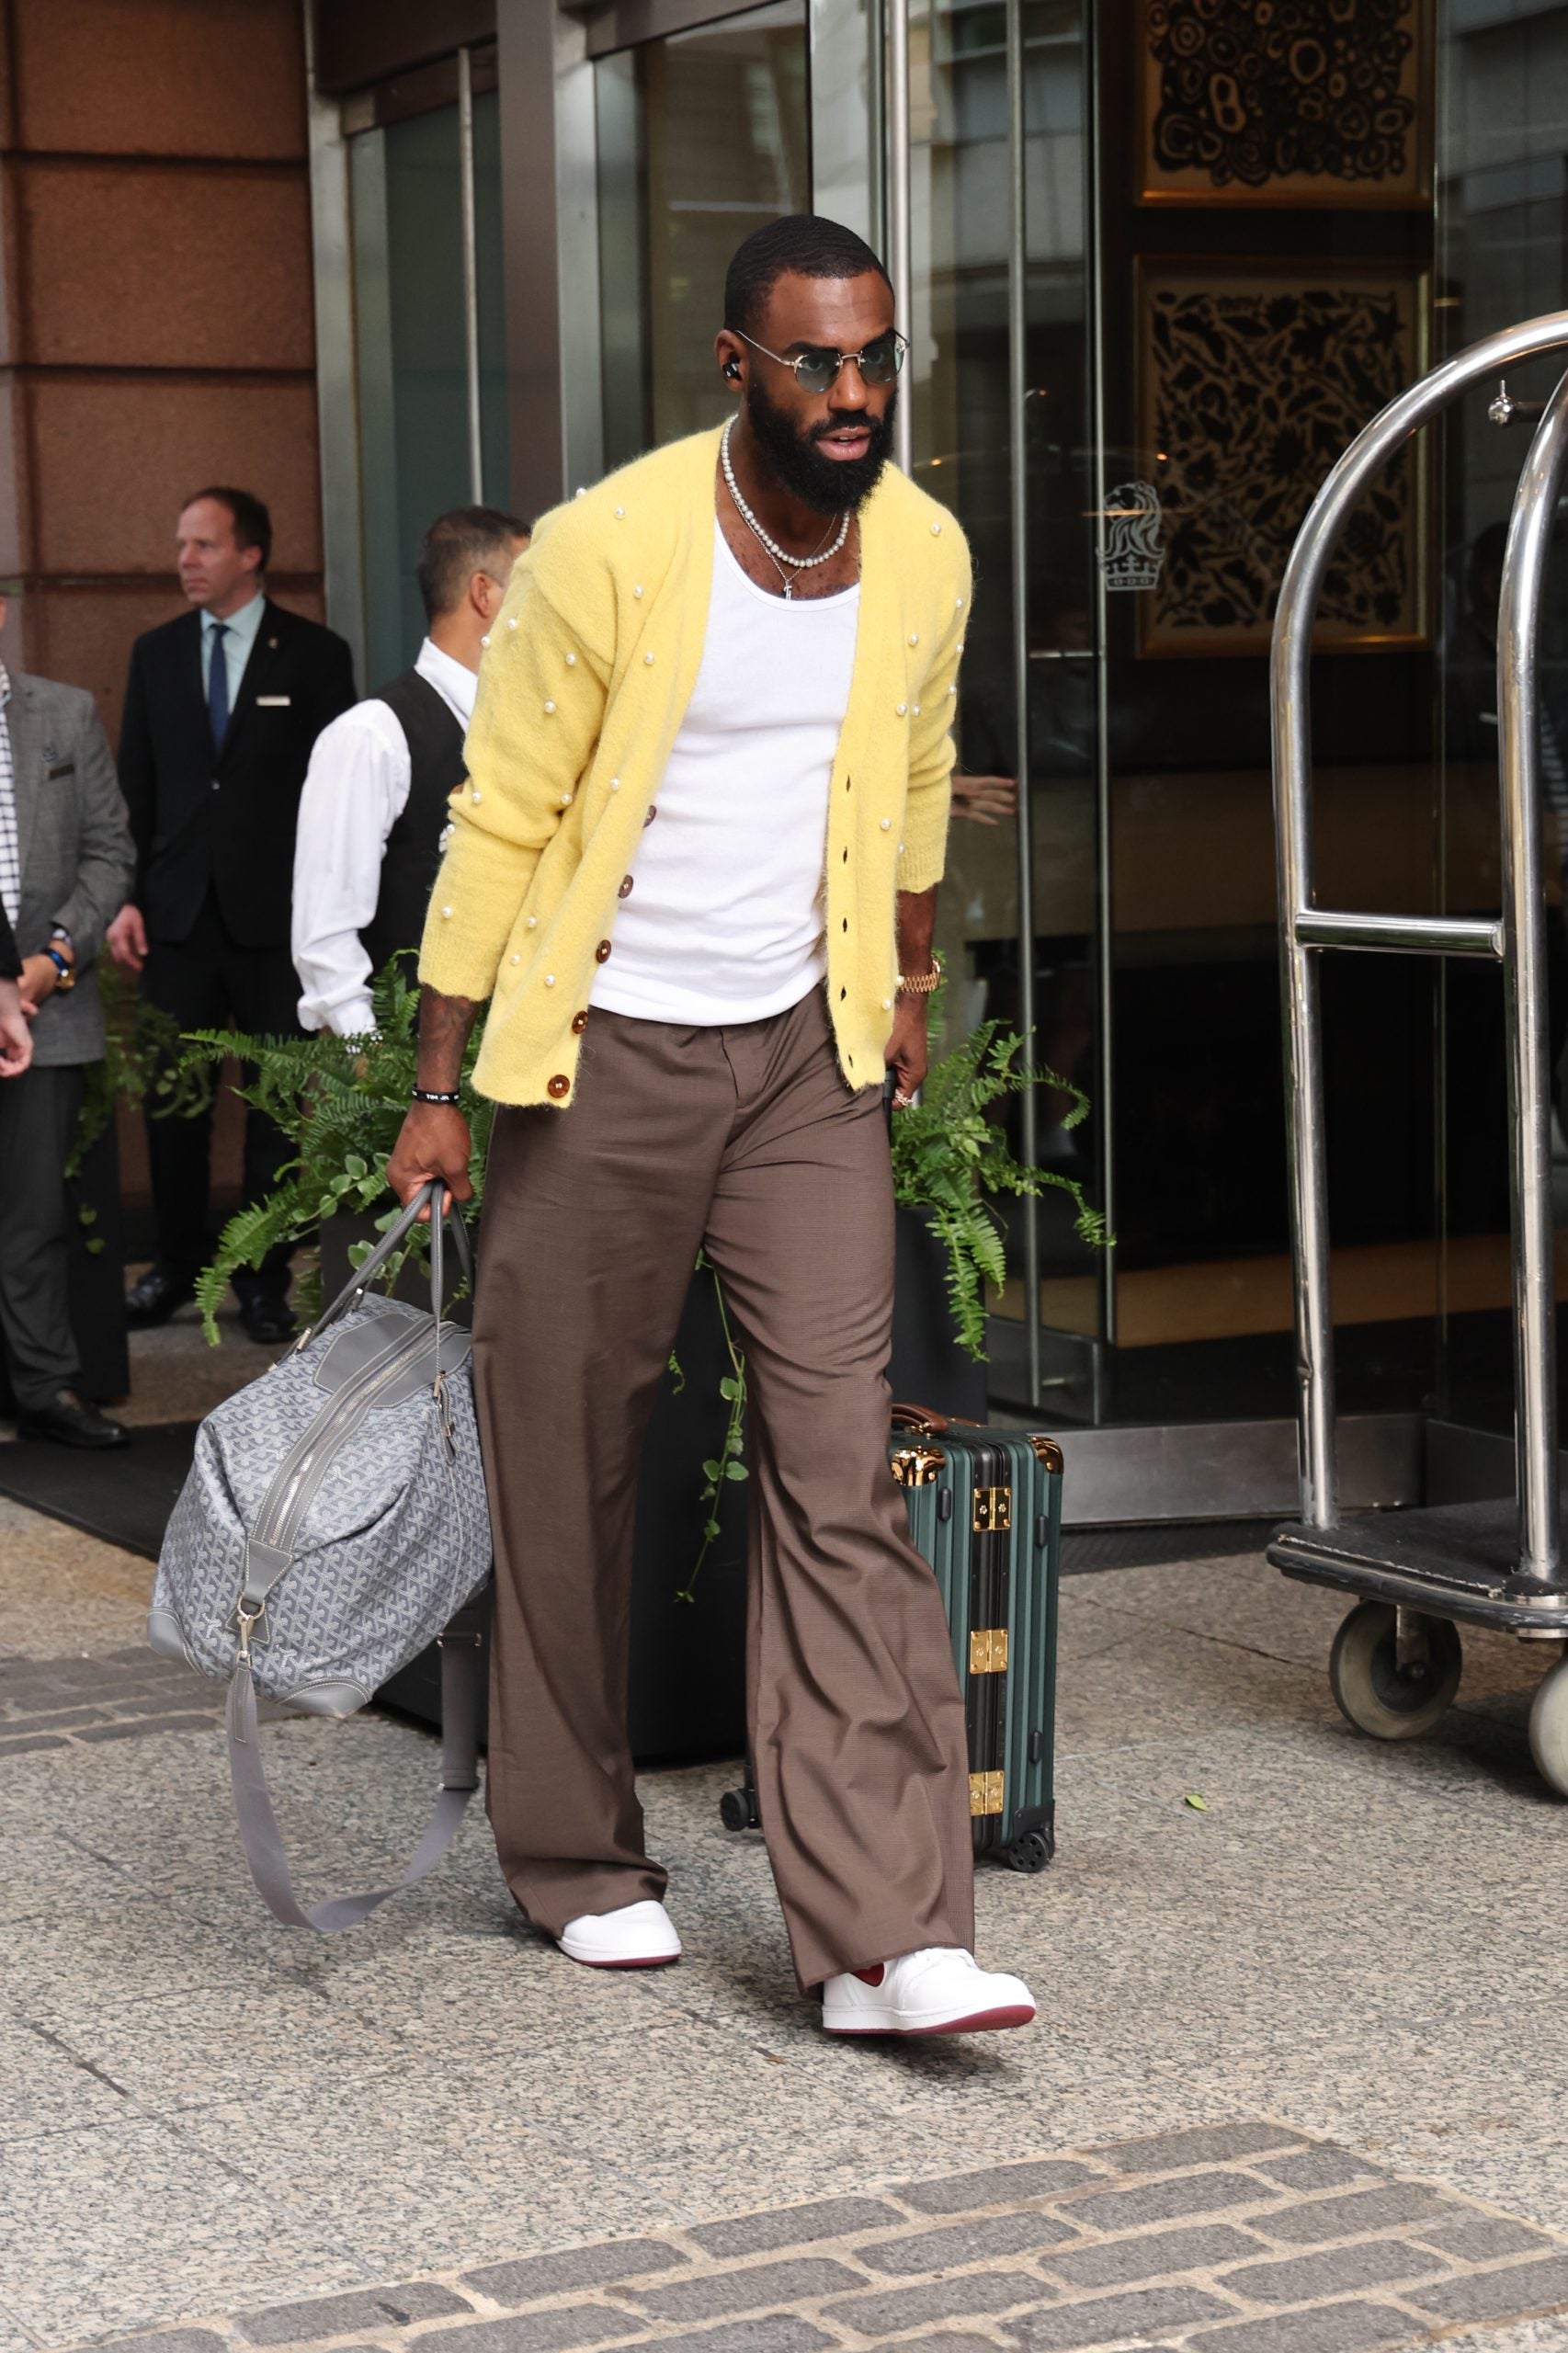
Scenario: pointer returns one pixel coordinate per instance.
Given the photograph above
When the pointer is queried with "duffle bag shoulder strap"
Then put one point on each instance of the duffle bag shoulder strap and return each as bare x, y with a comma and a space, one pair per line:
262, 1839
462, 1658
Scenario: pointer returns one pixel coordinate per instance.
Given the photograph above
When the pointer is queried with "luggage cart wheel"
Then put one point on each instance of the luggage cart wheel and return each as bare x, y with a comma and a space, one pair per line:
1395, 1681
1032, 1851
1549, 1728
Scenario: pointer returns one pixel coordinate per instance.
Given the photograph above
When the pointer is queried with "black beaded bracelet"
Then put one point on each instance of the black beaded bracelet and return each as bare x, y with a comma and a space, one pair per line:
431, 1094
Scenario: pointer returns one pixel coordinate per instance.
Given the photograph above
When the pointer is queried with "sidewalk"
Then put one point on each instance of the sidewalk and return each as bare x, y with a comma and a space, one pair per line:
1296, 2085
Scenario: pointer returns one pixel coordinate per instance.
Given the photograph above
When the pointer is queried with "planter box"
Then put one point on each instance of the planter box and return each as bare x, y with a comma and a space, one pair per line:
687, 1688
927, 1366
687, 1691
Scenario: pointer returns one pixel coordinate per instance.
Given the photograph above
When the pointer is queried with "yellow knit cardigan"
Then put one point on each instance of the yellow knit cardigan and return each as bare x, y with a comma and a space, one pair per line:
590, 665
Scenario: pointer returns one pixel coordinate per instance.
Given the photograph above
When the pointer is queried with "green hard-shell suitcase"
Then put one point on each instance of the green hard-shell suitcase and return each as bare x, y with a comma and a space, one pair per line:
985, 1510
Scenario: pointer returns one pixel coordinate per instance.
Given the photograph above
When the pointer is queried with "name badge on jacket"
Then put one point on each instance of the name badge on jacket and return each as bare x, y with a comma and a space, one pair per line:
274, 702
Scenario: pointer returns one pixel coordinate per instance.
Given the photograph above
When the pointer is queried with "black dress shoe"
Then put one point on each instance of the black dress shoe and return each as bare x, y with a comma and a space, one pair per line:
69, 1420
155, 1299
266, 1319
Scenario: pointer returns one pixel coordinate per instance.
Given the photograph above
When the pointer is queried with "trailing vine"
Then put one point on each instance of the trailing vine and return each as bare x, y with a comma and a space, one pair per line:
727, 1463
143, 1056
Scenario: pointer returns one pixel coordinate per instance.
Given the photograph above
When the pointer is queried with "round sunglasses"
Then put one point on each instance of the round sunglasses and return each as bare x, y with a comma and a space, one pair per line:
816, 368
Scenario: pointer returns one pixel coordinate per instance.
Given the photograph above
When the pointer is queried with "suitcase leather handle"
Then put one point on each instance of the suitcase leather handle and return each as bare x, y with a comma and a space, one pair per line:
928, 1422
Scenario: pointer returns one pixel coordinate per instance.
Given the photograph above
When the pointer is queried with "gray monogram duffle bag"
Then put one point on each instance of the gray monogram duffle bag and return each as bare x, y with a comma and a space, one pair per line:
333, 1525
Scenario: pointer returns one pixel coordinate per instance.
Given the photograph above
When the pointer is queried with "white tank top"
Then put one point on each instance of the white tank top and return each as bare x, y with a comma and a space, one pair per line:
724, 919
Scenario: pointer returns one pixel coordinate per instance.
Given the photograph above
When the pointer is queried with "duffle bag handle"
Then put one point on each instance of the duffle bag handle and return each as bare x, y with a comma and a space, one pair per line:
428, 1197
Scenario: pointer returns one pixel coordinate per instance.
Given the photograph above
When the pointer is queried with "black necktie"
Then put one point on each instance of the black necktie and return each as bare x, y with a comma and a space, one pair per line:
218, 686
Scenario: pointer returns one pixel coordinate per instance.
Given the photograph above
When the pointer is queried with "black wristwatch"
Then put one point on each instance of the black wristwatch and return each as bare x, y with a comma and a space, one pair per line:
64, 968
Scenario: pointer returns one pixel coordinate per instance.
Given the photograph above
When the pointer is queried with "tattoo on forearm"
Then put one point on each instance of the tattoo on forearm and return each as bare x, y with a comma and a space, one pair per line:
443, 1026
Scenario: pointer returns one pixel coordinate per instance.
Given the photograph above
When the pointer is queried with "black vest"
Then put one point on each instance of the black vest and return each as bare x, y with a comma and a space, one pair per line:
413, 853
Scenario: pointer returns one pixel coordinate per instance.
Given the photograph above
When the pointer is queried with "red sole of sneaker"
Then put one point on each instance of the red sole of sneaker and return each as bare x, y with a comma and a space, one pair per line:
981, 2022
657, 1960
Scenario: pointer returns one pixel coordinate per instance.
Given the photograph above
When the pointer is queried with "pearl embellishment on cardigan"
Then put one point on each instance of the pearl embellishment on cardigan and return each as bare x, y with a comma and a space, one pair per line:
511, 621
549, 706
649, 660
886, 825
901, 709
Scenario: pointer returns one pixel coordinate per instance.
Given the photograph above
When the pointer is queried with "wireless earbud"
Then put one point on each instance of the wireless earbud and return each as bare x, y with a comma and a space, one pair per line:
732, 368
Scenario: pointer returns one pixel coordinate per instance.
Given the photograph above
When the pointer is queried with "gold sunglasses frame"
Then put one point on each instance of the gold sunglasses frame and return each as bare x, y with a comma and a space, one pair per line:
900, 343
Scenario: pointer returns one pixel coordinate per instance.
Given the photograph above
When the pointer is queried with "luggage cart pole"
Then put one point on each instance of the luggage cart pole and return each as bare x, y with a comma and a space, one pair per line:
1524, 999
1396, 1660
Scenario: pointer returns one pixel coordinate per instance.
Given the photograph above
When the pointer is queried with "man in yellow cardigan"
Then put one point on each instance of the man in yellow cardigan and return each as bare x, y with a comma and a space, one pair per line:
693, 868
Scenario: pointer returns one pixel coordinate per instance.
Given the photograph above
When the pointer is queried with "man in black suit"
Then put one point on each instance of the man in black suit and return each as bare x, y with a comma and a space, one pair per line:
222, 710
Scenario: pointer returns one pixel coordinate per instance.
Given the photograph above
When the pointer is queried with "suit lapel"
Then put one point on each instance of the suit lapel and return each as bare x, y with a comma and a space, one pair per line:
261, 661
28, 748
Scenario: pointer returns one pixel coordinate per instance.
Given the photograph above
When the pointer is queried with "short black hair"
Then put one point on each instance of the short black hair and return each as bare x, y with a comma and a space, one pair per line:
464, 540
252, 523
804, 242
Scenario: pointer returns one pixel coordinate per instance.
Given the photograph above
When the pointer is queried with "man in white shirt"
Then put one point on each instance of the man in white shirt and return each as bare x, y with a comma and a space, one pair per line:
374, 805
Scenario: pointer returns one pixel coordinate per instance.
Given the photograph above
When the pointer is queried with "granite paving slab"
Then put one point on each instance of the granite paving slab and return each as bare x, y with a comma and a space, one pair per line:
1272, 2095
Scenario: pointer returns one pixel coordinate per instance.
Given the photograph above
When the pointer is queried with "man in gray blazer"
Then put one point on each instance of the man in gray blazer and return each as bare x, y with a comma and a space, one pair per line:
65, 866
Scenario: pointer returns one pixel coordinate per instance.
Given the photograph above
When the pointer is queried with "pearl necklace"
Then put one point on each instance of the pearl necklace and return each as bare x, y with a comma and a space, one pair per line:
781, 556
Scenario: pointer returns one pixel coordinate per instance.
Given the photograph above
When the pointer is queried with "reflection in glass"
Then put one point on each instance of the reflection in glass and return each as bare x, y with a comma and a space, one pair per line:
1502, 257
406, 193
702, 137
958, 375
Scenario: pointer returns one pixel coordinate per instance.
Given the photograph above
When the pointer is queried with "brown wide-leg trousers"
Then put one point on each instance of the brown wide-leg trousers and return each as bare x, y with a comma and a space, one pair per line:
748, 1140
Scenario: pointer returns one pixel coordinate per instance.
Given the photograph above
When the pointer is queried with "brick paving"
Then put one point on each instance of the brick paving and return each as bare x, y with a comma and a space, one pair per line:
57, 1702
54, 1702
1056, 2256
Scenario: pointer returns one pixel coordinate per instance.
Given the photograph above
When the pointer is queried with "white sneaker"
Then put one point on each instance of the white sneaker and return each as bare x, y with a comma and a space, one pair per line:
639, 1935
941, 1990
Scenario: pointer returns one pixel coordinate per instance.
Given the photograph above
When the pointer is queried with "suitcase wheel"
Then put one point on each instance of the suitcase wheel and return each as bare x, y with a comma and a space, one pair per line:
736, 1811
1032, 1851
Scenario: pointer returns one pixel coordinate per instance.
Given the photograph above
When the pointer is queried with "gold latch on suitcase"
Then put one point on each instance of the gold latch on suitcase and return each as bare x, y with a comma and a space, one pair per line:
992, 1509
988, 1651
984, 1793
918, 1466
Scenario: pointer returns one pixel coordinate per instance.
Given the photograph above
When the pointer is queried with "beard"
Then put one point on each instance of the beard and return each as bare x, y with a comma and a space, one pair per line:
828, 485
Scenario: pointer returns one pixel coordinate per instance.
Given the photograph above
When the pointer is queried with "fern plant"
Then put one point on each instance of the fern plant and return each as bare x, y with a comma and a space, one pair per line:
340, 1101
950, 1159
